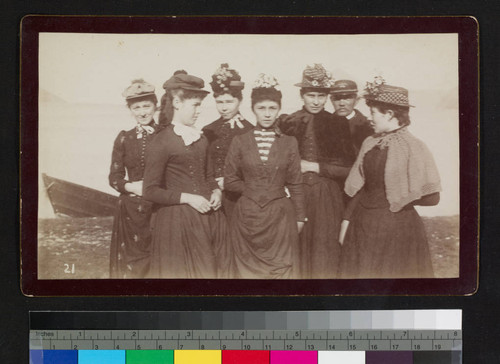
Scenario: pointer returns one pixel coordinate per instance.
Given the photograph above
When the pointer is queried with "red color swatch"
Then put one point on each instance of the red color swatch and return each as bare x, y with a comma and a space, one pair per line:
245, 357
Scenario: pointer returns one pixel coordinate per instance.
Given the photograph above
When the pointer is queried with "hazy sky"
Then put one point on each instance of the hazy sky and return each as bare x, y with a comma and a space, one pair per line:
95, 68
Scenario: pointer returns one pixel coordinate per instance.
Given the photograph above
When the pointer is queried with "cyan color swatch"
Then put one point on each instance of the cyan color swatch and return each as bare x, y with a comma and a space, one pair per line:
101, 357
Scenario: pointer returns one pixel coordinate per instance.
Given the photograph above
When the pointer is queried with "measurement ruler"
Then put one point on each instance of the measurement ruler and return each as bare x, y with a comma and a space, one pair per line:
343, 340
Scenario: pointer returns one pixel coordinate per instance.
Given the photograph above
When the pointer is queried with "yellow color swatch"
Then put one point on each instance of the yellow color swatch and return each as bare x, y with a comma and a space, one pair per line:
197, 357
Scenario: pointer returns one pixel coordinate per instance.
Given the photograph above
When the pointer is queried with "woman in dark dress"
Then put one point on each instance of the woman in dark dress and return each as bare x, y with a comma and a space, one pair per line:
382, 234
259, 165
226, 85
188, 227
131, 237
327, 154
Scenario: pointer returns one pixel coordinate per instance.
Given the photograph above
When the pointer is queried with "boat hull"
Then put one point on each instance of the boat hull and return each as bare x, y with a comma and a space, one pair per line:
75, 200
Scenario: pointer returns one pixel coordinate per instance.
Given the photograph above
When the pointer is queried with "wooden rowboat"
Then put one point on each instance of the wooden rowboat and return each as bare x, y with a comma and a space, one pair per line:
75, 200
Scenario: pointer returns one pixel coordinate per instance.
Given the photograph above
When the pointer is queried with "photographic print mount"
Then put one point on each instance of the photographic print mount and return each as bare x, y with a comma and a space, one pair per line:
34, 282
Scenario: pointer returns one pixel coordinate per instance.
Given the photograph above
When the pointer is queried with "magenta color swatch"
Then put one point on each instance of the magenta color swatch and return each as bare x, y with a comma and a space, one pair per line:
294, 357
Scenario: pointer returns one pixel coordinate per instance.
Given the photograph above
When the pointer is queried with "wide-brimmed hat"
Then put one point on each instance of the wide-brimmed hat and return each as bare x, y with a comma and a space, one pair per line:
316, 77
379, 91
185, 81
225, 79
344, 87
138, 88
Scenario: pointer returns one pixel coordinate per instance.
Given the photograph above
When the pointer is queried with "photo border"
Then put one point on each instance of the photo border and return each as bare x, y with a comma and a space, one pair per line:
468, 68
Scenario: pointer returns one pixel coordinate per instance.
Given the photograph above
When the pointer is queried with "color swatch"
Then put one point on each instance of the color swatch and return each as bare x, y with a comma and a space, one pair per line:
241, 357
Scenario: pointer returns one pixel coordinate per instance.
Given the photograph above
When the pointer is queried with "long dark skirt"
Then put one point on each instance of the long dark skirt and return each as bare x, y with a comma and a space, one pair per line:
186, 243
229, 199
319, 247
383, 244
131, 238
264, 240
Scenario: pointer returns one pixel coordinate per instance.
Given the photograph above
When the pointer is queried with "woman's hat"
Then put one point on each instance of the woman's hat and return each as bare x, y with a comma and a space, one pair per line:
316, 77
379, 91
138, 88
184, 81
266, 81
225, 79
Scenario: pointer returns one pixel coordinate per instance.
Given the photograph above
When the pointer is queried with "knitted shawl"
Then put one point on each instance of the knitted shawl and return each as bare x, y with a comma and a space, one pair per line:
410, 170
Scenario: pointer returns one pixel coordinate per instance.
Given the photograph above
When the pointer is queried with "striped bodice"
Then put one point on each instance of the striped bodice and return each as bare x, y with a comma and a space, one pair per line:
265, 139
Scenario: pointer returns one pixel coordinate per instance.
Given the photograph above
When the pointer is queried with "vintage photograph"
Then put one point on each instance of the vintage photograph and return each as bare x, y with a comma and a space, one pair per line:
239, 156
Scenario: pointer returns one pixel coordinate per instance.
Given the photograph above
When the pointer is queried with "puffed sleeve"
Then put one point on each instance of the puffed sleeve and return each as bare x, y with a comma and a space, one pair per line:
157, 158
117, 170
291, 124
294, 180
233, 180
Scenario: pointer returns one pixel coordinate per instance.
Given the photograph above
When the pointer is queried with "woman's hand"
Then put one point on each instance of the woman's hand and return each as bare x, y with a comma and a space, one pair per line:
300, 225
197, 202
216, 199
134, 188
343, 229
220, 182
306, 166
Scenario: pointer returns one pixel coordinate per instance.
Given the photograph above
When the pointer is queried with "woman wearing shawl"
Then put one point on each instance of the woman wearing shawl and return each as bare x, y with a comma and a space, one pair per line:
188, 227
227, 86
259, 164
131, 237
382, 234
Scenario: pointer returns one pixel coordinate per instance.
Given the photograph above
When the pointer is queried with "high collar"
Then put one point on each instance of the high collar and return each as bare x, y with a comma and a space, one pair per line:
388, 134
141, 129
274, 129
189, 134
351, 115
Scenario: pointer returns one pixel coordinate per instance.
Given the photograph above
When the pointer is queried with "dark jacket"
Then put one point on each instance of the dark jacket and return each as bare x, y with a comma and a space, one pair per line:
219, 138
359, 128
128, 158
336, 151
263, 182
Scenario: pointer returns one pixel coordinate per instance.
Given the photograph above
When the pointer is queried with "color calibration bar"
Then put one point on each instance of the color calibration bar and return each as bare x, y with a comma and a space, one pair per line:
240, 357
426, 336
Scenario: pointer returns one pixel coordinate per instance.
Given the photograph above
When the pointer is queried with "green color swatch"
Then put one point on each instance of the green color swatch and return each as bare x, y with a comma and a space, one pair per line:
150, 357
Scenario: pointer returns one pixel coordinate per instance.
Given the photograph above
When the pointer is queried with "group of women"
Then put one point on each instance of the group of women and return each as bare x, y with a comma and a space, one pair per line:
231, 201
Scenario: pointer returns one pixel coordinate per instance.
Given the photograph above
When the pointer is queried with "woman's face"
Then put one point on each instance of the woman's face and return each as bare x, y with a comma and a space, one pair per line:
382, 122
314, 101
227, 105
143, 111
266, 113
187, 110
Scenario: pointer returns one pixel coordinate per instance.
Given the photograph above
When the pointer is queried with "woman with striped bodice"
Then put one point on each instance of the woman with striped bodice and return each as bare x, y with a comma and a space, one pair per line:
259, 165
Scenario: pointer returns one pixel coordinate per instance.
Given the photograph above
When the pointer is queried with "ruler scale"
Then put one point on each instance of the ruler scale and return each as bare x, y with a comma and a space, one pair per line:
324, 337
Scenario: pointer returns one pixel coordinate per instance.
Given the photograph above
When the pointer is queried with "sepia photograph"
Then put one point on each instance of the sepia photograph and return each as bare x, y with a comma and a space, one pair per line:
248, 156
